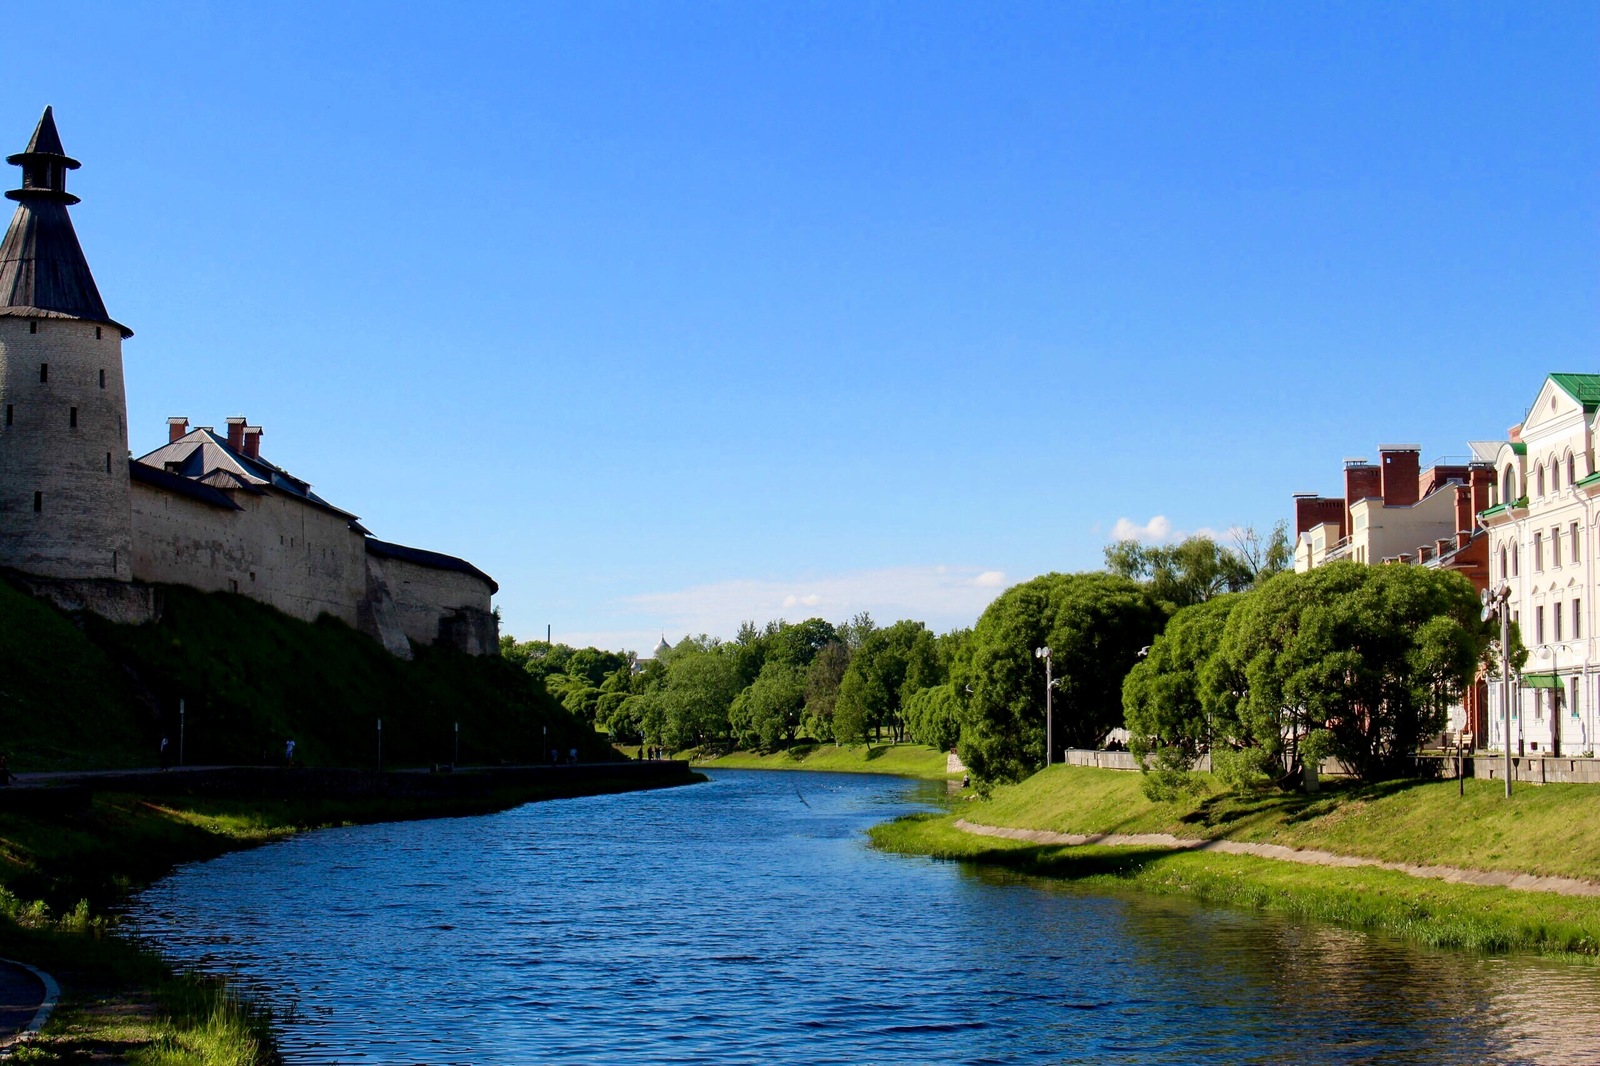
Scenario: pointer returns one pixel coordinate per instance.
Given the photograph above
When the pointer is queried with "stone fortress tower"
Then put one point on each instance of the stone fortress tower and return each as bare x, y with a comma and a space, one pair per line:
89, 528
65, 509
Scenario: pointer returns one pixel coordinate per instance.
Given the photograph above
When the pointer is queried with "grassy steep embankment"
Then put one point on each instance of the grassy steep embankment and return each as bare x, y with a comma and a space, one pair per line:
903, 760
83, 693
1552, 830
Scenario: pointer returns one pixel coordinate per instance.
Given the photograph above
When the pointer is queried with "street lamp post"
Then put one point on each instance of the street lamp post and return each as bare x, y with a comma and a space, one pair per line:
457, 757
380, 745
181, 724
1496, 602
1049, 705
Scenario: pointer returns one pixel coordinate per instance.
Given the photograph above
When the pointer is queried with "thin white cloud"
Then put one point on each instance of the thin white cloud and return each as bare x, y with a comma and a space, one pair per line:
990, 579
1159, 530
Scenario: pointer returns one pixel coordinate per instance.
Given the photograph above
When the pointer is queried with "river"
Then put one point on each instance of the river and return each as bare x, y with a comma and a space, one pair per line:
747, 921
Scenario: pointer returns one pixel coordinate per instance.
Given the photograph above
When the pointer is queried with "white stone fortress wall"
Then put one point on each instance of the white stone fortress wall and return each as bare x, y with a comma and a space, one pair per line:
65, 510
301, 559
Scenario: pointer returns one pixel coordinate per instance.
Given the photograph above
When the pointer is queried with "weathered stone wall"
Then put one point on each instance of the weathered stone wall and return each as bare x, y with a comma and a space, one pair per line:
301, 559
64, 438
443, 604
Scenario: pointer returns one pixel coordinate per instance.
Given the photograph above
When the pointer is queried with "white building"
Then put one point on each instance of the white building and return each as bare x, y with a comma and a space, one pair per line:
1544, 531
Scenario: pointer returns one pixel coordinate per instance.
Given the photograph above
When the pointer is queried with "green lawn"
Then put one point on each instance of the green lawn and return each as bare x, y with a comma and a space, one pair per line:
1432, 912
903, 760
1546, 829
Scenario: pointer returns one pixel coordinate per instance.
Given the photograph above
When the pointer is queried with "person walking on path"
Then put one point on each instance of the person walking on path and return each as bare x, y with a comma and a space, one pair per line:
288, 754
166, 754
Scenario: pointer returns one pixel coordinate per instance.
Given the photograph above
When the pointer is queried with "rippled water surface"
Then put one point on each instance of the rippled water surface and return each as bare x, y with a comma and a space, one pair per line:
746, 921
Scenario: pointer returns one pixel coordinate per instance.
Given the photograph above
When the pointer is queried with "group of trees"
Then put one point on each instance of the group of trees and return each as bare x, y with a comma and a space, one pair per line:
765, 688
1195, 647
1358, 662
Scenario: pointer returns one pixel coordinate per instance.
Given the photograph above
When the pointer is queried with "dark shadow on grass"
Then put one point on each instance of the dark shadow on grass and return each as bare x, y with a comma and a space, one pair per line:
875, 753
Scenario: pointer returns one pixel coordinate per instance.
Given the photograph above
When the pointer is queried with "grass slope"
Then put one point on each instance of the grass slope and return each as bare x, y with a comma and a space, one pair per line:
903, 760
1432, 912
1549, 829
90, 694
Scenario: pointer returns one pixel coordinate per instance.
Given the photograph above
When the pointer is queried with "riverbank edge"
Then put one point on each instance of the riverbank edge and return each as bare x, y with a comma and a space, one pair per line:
123, 999
1490, 920
833, 760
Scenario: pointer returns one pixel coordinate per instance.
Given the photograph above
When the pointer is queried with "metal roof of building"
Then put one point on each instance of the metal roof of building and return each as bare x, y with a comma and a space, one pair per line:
179, 485
43, 272
1585, 388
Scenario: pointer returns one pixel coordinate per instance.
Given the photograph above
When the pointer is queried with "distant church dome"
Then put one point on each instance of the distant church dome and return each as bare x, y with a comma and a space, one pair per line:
663, 647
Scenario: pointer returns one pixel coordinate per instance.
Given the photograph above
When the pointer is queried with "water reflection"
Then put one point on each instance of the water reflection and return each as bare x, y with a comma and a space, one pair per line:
745, 921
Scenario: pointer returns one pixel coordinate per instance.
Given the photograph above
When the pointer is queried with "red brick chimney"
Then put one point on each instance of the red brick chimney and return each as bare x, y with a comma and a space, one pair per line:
1311, 510
236, 433
252, 441
1361, 480
1466, 511
177, 428
1401, 466
1482, 480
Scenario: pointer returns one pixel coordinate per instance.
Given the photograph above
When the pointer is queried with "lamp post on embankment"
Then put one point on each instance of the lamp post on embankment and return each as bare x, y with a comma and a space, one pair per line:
1049, 705
1496, 602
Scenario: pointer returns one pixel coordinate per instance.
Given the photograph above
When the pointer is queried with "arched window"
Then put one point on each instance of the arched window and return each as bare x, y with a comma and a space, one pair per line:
1503, 572
1514, 560
1572, 470
1555, 475
1538, 480
1508, 485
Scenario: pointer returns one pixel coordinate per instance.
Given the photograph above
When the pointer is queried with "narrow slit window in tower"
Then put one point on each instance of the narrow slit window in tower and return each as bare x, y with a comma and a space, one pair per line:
72, 417
33, 327
11, 413
102, 377
97, 333
44, 373
38, 502
108, 462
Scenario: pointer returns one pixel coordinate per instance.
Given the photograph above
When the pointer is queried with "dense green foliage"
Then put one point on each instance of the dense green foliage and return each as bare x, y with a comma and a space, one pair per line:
1198, 568
1359, 662
1095, 625
249, 678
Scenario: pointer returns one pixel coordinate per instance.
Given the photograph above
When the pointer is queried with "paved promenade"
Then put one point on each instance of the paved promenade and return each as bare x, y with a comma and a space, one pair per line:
27, 996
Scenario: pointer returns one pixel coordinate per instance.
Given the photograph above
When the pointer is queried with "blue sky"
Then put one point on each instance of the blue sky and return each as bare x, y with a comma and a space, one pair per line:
669, 315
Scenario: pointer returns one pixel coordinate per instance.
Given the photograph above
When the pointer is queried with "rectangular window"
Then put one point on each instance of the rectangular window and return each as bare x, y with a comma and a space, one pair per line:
1555, 619
97, 334
33, 327
44, 373
1577, 619
108, 462
1555, 545
38, 502
72, 417
1572, 701
102, 377
1538, 552
1538, 625
1572, 541
11, 413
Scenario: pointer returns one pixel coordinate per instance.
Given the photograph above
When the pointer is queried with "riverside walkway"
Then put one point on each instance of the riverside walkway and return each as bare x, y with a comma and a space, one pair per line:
27, 996
1561, 886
